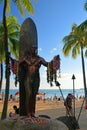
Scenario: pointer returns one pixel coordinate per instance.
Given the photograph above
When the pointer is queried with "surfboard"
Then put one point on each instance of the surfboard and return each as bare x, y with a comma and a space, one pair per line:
28, 38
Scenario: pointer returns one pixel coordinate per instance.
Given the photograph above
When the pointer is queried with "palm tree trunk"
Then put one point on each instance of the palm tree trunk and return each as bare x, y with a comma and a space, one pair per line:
7, 71
1, 75
84, 76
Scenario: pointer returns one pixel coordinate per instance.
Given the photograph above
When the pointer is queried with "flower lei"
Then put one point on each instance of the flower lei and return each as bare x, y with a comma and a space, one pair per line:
52, 68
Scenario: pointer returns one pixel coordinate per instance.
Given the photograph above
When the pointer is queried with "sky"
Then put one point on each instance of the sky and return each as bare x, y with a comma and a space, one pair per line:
54, 19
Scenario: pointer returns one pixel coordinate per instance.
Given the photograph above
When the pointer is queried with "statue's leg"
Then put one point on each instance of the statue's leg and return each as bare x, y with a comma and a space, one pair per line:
34, 93
22, 91
33, 104
22, 99
28, 100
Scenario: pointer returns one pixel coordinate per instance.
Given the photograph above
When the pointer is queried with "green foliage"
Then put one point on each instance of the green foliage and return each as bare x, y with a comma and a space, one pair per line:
85, 6
13, 36
24, 5
76, 40
75, 43
86, 53
28, 6
1, 1
8, 5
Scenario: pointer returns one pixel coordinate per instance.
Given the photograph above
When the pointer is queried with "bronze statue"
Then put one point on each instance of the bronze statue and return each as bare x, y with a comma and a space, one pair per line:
31, 64
28, 68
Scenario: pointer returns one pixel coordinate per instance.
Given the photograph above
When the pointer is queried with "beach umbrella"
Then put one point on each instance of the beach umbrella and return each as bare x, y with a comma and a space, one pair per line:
17, 94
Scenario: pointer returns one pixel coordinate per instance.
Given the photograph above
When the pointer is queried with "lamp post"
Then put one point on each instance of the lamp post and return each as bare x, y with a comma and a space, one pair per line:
73, 78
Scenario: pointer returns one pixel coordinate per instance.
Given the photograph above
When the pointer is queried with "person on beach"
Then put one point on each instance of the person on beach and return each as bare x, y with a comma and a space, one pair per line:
68, 105
3, 96
16, 109
14, 114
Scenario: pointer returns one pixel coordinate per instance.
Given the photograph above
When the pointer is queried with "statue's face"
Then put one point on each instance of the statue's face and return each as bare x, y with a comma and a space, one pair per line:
33, 50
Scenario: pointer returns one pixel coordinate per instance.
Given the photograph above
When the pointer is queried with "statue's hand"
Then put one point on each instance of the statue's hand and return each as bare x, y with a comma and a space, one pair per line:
56, 62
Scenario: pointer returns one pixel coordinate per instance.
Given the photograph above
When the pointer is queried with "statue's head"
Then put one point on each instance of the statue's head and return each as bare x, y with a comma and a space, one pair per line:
34, 49
27, 53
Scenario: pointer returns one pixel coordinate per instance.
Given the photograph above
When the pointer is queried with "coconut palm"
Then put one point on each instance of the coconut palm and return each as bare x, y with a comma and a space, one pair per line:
83, 26
7, 71
75, 42
2, 56
13, 41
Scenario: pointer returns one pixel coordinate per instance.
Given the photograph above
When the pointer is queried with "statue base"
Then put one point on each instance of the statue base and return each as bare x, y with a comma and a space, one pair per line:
31, 123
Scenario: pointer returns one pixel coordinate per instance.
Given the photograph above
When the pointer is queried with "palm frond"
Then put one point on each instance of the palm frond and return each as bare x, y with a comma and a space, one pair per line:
74, 26
20, 7
83, 26
8, 6
13, 36
85, 5
74, 53
66, 50
28, 6
86, 53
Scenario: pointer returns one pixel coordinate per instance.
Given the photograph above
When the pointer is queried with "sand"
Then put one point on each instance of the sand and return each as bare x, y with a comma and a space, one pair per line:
55, 110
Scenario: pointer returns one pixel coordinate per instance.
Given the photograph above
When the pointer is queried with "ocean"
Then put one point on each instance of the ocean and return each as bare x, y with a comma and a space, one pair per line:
52, 92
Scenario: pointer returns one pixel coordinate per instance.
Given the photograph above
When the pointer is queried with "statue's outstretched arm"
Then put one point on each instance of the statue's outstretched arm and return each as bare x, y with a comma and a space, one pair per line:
45, 63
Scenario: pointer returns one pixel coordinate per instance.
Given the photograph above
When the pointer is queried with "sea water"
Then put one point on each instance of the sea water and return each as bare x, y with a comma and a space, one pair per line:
62, 93
50, 93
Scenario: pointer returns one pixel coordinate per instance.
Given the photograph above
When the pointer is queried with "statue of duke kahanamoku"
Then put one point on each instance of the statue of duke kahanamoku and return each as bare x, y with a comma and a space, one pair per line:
29, 66
32, 63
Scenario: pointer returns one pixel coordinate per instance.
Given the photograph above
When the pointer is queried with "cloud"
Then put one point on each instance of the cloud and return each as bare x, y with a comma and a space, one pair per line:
65, 81
53, 50
39, 49
69, 76
12, 85
65, 76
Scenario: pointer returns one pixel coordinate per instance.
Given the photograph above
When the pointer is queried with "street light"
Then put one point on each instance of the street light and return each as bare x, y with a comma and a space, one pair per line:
73, 78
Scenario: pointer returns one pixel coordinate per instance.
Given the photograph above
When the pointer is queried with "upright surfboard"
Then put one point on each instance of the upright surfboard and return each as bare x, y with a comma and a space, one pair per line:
28, 38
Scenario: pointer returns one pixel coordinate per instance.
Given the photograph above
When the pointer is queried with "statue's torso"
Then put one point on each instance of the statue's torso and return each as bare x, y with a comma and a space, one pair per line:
34, 64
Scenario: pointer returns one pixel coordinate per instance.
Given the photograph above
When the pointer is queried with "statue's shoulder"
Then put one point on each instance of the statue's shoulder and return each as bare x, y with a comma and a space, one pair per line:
39, 57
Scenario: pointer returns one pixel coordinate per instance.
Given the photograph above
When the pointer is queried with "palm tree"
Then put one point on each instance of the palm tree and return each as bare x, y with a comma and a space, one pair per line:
13, 41
2, 57
76, 42
7, 71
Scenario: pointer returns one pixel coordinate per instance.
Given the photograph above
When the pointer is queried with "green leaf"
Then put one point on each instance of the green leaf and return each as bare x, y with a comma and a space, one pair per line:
28, 6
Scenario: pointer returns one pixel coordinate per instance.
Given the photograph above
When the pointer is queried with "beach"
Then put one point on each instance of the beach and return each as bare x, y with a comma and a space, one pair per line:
54, 110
